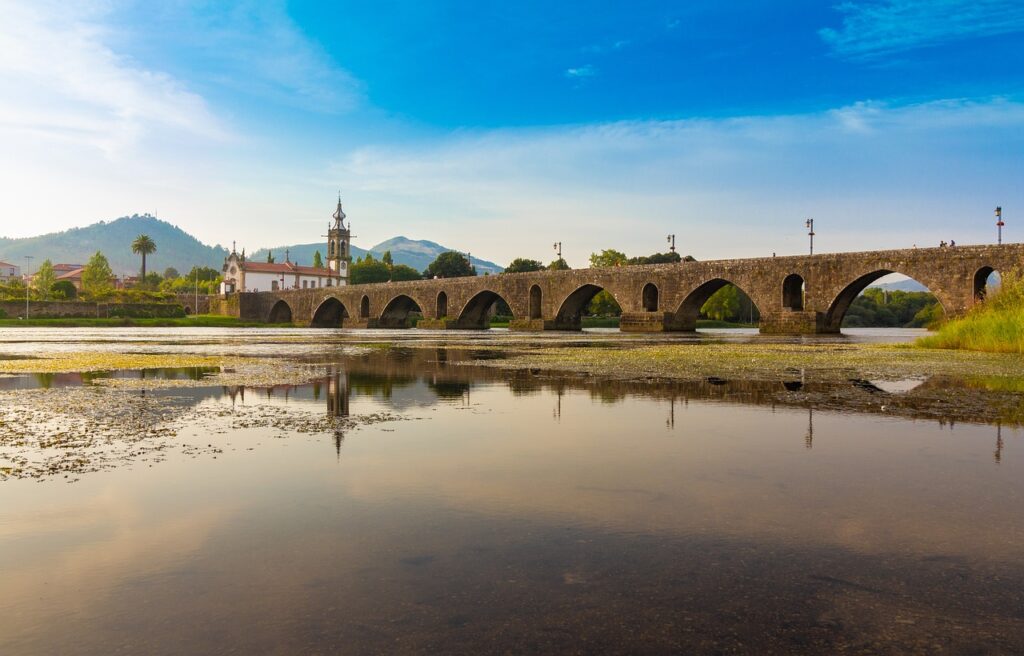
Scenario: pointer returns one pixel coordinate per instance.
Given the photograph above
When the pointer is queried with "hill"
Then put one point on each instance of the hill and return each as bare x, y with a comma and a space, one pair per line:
175, 247
415, 253
179, 249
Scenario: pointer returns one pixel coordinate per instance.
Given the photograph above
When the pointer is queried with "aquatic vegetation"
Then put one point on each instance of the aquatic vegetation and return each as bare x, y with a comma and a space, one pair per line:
100, 361
996, 325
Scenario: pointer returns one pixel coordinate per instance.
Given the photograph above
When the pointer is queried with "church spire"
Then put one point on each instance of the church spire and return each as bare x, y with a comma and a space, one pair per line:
339, 214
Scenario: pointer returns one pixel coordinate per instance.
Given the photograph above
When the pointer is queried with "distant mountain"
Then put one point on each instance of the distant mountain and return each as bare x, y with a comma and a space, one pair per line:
908, 285
415, 253
175, 247
178, 249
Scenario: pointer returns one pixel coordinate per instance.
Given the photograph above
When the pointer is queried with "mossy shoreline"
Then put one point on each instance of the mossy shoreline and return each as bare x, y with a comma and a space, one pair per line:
196, 321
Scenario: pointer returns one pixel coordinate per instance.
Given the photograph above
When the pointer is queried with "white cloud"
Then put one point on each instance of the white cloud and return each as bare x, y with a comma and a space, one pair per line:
881, 27
255, 47
61, 82
584, 71
873, 175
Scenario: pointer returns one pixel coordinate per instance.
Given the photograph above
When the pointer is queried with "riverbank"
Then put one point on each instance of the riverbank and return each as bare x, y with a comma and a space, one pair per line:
995, 326
195, 321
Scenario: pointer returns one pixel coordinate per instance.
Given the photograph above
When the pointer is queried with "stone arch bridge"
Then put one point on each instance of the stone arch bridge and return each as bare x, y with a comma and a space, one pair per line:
794, 294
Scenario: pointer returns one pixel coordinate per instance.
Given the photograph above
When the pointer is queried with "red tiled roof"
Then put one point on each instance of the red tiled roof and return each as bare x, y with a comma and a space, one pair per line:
7, 264
286, 268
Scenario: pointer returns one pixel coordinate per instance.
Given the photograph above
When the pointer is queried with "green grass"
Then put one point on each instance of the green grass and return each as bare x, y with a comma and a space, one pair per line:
198, 321
995, 326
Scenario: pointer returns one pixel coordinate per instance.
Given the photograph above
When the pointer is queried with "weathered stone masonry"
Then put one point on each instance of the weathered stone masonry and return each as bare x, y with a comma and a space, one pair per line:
795, 294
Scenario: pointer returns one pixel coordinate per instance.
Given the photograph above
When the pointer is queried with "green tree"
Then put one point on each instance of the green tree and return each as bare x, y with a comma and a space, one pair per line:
44, 279
170, 273
96, 276
609, 257
723, 304
660, 258
604, 305
558, 265
449, 265
367, 270
318, 260
387, 259
270, 257
144, 246
401, 272
522, 265
64, 289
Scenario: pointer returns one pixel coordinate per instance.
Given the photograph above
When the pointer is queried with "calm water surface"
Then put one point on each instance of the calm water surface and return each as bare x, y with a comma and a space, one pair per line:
491, 511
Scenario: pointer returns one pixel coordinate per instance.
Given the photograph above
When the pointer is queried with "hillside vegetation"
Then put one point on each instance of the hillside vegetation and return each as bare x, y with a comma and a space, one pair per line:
996, 325
114, 239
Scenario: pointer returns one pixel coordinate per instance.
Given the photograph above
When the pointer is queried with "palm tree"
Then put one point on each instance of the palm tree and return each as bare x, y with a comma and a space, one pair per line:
145, 246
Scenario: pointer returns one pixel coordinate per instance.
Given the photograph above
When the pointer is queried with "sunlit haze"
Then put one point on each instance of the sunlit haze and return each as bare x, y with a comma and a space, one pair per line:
501, 128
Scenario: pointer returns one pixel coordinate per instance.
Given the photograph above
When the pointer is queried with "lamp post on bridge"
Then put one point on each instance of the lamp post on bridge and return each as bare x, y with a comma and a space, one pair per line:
810, 232
558, 250
672, 242
999, 225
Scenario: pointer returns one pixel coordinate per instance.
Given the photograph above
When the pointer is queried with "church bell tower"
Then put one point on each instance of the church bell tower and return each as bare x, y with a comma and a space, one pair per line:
339, 239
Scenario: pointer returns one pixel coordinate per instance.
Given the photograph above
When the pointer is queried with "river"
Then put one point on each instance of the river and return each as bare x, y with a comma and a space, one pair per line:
411, 499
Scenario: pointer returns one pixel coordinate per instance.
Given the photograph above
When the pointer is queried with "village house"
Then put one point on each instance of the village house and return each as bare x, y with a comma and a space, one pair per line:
243, 275
9, 272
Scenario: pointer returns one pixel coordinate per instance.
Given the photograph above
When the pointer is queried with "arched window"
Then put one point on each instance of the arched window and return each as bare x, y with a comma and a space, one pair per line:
793, 292
650, 297
442, 306
535, 299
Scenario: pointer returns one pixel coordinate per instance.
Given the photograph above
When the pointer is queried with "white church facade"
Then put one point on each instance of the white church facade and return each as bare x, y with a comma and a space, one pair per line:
242, 275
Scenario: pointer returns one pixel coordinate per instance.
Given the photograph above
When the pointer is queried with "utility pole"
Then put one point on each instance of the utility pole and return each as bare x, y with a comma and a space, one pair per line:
672, 241
28, 273
810, 232
999, 224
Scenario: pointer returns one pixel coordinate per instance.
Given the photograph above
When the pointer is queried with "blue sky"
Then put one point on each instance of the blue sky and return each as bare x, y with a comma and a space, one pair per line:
502, 127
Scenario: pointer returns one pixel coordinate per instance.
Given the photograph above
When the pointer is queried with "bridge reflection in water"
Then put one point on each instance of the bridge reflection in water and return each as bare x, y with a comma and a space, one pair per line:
794, 294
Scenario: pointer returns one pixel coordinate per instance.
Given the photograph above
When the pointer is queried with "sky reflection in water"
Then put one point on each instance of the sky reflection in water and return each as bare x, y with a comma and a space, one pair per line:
510, 514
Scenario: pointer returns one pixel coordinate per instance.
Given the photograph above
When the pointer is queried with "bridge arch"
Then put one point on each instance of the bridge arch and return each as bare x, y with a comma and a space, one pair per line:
793, 292
844, 299
649, 297
364, 307
475, 314
536, 296
570, 312
331, 313
281, 312
396, 312
982, 279
689, 310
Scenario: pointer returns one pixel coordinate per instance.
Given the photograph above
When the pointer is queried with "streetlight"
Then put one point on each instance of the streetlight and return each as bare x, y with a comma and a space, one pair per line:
558, 249
672, 241
810, 232
28, 274
999, 224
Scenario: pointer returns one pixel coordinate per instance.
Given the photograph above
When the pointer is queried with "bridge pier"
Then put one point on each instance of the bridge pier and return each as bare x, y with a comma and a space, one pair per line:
448, 324
653, 322
795, 322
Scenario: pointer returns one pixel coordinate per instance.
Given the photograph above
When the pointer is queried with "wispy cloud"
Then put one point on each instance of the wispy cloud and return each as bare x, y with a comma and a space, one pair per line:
877, 28
256, 47
861, 169
585, 71
61, 81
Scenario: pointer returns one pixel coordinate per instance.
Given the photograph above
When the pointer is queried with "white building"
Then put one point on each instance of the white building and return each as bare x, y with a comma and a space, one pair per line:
9, 271
241, 275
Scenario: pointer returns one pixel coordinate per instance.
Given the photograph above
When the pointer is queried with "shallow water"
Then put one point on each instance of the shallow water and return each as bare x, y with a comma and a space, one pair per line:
451, 508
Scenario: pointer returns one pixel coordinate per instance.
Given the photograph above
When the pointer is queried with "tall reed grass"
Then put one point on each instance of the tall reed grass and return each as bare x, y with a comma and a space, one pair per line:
995, 325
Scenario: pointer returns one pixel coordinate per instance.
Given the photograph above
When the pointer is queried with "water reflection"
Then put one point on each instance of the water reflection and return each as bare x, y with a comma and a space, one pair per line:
528, 512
